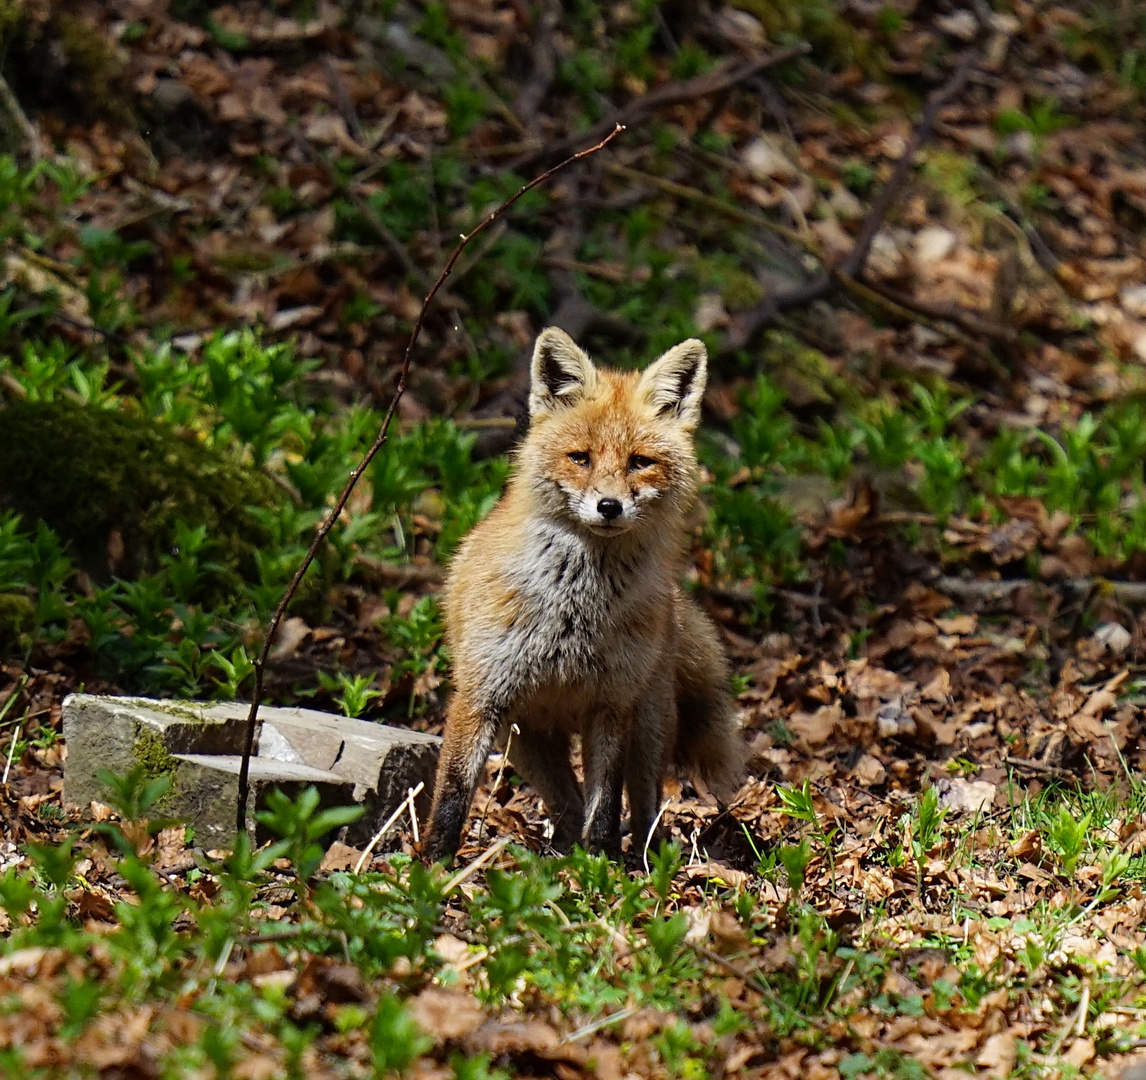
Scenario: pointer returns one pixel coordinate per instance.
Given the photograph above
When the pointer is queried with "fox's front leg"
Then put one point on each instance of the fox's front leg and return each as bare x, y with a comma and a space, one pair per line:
603, 750
654, 726
469, 738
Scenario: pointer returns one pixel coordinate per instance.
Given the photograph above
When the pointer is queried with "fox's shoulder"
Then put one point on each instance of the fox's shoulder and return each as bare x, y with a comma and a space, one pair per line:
499, 535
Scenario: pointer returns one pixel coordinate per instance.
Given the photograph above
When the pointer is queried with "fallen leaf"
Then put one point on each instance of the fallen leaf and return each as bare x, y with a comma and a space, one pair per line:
340, 856
446, 1014
998, 1055
966, 796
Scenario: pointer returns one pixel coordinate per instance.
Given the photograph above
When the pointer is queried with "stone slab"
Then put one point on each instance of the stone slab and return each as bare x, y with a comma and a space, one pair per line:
199, 743
205, 790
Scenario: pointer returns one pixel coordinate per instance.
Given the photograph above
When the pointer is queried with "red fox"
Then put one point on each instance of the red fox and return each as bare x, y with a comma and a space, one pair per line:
563, 613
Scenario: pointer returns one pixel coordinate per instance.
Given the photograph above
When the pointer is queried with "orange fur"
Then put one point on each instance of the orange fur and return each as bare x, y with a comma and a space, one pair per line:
563, 613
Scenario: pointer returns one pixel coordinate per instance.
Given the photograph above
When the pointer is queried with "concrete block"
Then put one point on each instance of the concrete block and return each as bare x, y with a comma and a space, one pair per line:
199, 745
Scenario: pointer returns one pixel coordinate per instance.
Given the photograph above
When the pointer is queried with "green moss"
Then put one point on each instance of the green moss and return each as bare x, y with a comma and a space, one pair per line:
58, 58
822, 24
17, 623
152, 755
96, 64
113, 485
805, 374
11, 14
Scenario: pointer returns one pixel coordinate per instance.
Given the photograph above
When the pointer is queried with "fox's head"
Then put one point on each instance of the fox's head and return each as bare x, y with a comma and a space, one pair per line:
612, 451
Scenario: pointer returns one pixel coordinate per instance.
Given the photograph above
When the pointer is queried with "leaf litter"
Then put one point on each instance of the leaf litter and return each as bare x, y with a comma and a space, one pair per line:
984, 943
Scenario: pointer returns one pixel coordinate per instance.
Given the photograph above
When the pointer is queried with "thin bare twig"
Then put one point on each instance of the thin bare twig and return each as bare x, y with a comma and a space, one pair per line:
513, 730
9, 702
11, 755
328, 522
406, 804
466, 872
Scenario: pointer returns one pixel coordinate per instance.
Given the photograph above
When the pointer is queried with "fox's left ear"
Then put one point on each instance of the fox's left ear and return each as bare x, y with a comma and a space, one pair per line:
674, 384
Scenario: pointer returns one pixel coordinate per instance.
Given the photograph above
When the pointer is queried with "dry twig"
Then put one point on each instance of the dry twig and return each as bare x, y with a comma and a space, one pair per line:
406, 804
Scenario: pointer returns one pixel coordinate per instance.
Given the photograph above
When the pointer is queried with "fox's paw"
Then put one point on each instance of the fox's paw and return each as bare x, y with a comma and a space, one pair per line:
437, 851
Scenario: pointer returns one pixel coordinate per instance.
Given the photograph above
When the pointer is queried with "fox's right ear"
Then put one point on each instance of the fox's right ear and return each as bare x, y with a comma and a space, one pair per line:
561, 372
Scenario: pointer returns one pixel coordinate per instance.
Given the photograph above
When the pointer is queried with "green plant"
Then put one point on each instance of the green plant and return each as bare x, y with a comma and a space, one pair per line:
1067, 835
417, 635
799, 804
236, 669
395, 1040
941, 486
302, 824
351, 693
795, 859
889, 436
925, 825
1041, 119
858, 176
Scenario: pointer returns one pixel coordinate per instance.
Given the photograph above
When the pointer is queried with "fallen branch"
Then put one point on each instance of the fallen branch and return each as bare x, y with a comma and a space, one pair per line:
709, 202
714, 82
854, 263
1040, 768
979, 590
970, 321
365, 210
328, 522
904, 306
543, 64
17, 133
396, 575
747, 325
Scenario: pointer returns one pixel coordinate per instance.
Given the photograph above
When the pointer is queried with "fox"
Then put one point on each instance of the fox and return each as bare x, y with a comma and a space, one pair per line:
565, 619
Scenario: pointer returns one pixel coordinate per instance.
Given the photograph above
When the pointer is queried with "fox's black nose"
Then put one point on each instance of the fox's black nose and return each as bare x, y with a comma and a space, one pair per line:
610, 508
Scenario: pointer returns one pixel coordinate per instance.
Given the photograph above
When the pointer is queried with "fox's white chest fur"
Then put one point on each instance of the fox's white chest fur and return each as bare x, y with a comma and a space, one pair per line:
568, 642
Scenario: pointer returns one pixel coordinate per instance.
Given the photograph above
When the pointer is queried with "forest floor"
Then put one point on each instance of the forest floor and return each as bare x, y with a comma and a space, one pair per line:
911, 236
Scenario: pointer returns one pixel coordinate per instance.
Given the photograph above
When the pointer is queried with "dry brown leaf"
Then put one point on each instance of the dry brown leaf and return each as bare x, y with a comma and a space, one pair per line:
446, 1014
815, 729
340, 856
998, 1055
966, 796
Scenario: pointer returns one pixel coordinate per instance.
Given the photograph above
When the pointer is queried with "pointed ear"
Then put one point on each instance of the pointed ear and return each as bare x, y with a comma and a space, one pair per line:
674, 384
561, 372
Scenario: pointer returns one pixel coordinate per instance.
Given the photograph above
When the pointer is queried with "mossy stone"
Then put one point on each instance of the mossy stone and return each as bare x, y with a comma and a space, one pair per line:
17, 623
112, 484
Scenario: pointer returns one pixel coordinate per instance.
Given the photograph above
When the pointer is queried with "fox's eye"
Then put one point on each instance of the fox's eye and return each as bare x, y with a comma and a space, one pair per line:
639, 461
580, 457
